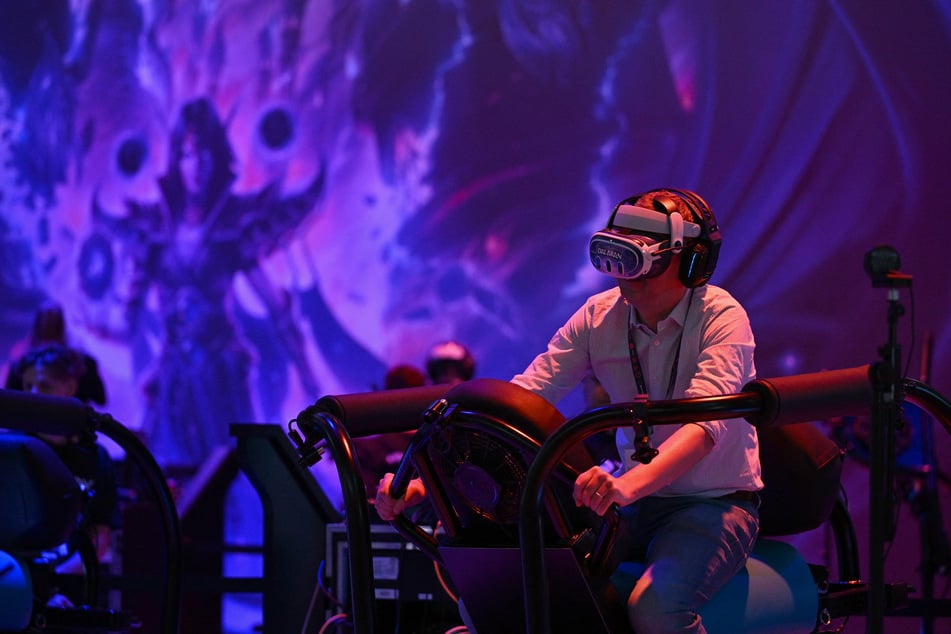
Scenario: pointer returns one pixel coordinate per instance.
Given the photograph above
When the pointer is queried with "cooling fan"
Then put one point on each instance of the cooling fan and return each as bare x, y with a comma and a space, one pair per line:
473, 458
481, 476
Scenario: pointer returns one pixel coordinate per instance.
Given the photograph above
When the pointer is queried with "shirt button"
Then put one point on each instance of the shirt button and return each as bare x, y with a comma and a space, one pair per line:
656, 342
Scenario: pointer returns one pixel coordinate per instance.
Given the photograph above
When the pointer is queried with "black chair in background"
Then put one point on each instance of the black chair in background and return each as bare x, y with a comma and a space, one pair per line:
40, 506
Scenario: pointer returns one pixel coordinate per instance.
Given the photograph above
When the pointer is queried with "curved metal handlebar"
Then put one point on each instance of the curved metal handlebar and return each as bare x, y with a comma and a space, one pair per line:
929, 400
314, 419
762, 403
535, 580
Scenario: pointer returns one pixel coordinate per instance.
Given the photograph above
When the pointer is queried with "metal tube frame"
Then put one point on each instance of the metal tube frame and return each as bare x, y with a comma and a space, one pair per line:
744, 404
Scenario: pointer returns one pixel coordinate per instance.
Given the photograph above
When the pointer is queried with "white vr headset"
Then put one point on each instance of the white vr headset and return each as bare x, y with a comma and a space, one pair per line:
629, 256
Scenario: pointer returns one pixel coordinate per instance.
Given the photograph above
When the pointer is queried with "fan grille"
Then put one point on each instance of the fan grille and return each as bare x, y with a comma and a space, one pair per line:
485, 474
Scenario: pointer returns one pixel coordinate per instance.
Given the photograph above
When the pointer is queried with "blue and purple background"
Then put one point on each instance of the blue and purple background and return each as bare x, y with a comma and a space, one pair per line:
389, 174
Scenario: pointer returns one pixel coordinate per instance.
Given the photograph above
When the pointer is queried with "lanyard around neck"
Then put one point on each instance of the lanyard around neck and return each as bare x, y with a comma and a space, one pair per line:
636, 362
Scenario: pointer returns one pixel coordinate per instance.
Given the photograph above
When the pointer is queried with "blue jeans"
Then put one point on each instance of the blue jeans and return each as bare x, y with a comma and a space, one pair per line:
691, 547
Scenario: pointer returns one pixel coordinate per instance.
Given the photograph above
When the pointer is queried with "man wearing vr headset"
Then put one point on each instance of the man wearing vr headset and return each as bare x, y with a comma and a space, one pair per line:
690, 513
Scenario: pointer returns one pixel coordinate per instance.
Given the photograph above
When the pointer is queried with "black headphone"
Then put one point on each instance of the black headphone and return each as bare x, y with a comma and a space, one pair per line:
611, 251
700, 258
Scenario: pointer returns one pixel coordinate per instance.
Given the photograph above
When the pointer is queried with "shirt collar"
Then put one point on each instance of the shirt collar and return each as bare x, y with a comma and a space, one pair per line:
678, 314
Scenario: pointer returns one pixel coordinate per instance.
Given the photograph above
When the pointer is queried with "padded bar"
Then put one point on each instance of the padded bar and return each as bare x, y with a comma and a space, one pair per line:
38, 413
803, 397
381, 412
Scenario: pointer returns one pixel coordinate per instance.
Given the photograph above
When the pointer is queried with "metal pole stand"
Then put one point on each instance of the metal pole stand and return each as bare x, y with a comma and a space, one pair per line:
882, 264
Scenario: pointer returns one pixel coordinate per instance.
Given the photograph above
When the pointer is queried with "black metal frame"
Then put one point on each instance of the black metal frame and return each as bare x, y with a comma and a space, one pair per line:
331, 424
295, 513
38, 413
762, 407
790, 399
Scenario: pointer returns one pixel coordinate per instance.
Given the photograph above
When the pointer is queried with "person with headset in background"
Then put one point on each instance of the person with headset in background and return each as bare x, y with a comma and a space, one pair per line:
449, 363
689, 513
49, 327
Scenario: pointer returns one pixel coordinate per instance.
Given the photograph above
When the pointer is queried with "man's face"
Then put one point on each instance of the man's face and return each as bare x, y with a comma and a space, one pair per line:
39, 380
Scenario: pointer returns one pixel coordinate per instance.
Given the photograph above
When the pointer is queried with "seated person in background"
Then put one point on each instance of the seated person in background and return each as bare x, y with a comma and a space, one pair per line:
49, 326
691, 514
403, 376
55, 370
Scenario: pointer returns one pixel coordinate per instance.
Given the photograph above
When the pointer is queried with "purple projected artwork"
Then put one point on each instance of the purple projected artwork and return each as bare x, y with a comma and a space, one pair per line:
461, 171
187, 247
244, 206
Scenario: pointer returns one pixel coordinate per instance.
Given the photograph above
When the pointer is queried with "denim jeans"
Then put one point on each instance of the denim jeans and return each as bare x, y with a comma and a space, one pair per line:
691, 547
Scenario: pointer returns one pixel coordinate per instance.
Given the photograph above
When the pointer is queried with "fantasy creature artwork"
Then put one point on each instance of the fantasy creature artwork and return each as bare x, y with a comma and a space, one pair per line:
246, 206
383, 175
42, 60
186, 248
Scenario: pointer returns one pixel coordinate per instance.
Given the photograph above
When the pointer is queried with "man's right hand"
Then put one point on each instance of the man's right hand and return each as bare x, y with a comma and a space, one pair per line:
388, 507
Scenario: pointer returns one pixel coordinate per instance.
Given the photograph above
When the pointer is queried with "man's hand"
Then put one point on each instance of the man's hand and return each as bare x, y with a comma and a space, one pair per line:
388, 507
598, 490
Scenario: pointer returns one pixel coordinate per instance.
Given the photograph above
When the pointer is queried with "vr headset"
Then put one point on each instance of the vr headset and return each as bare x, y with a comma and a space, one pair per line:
632, 255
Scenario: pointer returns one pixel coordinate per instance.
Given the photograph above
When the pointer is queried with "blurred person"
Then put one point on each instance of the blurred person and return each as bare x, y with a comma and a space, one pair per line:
402, 376
49, 326
380, 453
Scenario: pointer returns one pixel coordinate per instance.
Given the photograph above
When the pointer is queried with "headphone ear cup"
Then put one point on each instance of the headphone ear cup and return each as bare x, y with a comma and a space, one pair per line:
693, 265
700, 260
700, 254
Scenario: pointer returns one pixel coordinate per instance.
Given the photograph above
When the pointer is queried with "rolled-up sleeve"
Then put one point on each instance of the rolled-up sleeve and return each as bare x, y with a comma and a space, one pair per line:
725, 361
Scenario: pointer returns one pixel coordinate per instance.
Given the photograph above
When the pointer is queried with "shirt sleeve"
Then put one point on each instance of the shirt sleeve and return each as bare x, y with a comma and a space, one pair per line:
564, 363
725, 362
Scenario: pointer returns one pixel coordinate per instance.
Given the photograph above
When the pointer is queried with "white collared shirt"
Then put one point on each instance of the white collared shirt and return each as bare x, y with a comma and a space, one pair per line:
716, 357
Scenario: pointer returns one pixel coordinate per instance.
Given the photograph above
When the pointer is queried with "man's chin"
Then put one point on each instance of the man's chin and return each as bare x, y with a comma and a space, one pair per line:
632, 289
